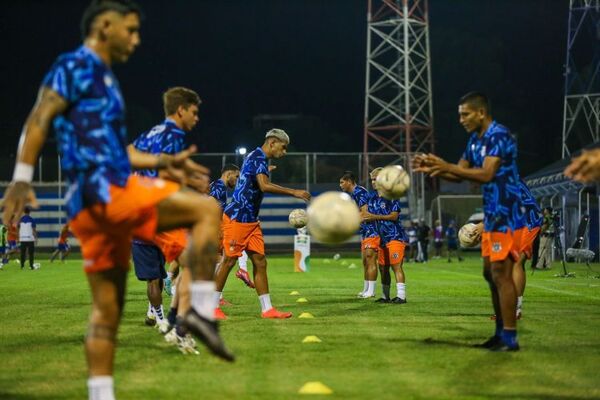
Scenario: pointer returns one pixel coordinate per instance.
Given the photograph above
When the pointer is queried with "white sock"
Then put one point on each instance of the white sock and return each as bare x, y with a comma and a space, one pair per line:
203, 298
243, 261
101, 388
158, 311
365, 286
519, 301
218, 297
169, 275
401, 289
150, 312
265, 302
370, 288
386, 291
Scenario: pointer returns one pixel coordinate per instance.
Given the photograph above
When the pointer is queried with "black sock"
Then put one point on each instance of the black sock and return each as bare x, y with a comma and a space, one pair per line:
172, 316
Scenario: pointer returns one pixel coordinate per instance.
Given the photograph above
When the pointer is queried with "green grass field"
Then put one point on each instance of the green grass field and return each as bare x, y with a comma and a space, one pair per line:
418, 350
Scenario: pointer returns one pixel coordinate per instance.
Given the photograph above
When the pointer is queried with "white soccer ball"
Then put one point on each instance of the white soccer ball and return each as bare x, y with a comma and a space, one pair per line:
298, 218
333, 217
468, 236
37, 265
393, 182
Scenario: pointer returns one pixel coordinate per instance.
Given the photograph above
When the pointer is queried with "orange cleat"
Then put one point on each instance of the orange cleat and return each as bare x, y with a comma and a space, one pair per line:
244, 277
274, 314
224, 302
219, 314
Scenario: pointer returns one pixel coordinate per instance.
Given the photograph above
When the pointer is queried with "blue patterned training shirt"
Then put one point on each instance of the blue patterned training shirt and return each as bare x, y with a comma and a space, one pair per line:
388, 230
247, 196
164, 138
91, 134
218, 190
502, 195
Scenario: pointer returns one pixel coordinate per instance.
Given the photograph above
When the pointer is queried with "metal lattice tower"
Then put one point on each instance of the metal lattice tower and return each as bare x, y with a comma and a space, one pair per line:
398, 105
581, 119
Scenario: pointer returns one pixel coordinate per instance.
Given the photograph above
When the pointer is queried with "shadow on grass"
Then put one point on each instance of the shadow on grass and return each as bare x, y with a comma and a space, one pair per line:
15, 396
533, 396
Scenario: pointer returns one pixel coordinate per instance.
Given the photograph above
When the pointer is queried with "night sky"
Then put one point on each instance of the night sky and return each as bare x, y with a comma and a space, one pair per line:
307, 57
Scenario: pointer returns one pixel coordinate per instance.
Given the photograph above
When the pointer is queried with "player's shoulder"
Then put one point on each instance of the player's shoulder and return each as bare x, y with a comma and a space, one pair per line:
75, 59
360, 191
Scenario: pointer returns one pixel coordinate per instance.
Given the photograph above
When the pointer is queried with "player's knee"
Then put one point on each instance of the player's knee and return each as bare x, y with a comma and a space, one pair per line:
106, 313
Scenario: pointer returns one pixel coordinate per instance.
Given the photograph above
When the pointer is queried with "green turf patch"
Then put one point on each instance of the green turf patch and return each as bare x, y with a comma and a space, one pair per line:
367, 351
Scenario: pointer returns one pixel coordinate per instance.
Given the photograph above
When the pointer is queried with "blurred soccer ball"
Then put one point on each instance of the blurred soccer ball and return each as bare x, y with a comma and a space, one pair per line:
393, 182
333, 217
36, 265
298, 218
467, 235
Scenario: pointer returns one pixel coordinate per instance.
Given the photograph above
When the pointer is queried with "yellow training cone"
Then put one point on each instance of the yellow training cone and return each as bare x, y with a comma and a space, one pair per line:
294, 293
306, 315
311, 339
314, 388
302, 300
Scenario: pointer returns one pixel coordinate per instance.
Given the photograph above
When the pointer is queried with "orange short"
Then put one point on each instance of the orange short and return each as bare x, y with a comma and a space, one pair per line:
172, 243
525, 238
105, 231
392, 253
498, 245
370, 243
240, 236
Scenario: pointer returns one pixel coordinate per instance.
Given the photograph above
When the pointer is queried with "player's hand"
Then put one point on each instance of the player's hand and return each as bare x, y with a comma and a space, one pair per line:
478, 231
436, 165
198, 182
585, 168
16, 197
419, 161
272, 168
302, 194
366, 216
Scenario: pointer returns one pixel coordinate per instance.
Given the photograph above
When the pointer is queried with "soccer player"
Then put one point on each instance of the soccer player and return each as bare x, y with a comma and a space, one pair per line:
241, 227
368, 233
393, 240
181, 116
106, 205
27, 237
586, 167
230, 174
63, 249
490, 159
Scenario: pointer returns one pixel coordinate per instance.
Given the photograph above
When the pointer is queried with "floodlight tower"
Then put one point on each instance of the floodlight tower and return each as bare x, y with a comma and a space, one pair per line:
398, 106
581, 118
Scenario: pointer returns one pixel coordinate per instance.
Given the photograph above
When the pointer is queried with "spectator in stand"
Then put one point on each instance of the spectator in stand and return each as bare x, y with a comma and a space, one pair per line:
411, 231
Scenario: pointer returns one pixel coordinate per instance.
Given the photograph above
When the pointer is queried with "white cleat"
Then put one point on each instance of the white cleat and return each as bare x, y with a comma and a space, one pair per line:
187, 345
162, 325
172, 338
360, 294
366, 295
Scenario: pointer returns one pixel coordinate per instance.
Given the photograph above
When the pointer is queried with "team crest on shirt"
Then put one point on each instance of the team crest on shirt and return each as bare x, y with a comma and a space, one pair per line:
496, 247
395, 256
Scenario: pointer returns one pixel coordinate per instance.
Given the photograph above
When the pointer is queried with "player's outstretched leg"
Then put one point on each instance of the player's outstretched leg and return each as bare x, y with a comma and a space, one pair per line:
259, 263
518, 275
242, 272
202, 214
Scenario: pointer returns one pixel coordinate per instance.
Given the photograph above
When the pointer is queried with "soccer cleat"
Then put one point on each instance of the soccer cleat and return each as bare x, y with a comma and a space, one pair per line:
398, 300
501, 347
168, 286
273, 313
382, 300
187, 345
172, 338
219, 314
491, 342
366, 295
163, 326
360, 294
208, 332
223, 302
245, 277
150, 319
493, 317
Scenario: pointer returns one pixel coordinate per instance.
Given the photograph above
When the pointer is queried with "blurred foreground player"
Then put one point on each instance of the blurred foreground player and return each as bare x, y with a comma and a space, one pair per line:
106, 205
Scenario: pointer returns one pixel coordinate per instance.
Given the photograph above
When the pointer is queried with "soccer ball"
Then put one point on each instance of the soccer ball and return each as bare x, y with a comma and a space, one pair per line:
393, 182
298, 218
467, 235
333, 217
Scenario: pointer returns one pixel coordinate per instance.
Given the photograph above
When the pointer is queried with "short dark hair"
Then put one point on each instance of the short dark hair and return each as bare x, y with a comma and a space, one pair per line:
179, 96
97, 7
229, 167
27, 210
349, 176
476, 100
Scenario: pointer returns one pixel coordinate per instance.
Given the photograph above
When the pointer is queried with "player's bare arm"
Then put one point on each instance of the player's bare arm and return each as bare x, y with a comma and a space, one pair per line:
367, 216
426, 163
266, 186
481, 175
48, 105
